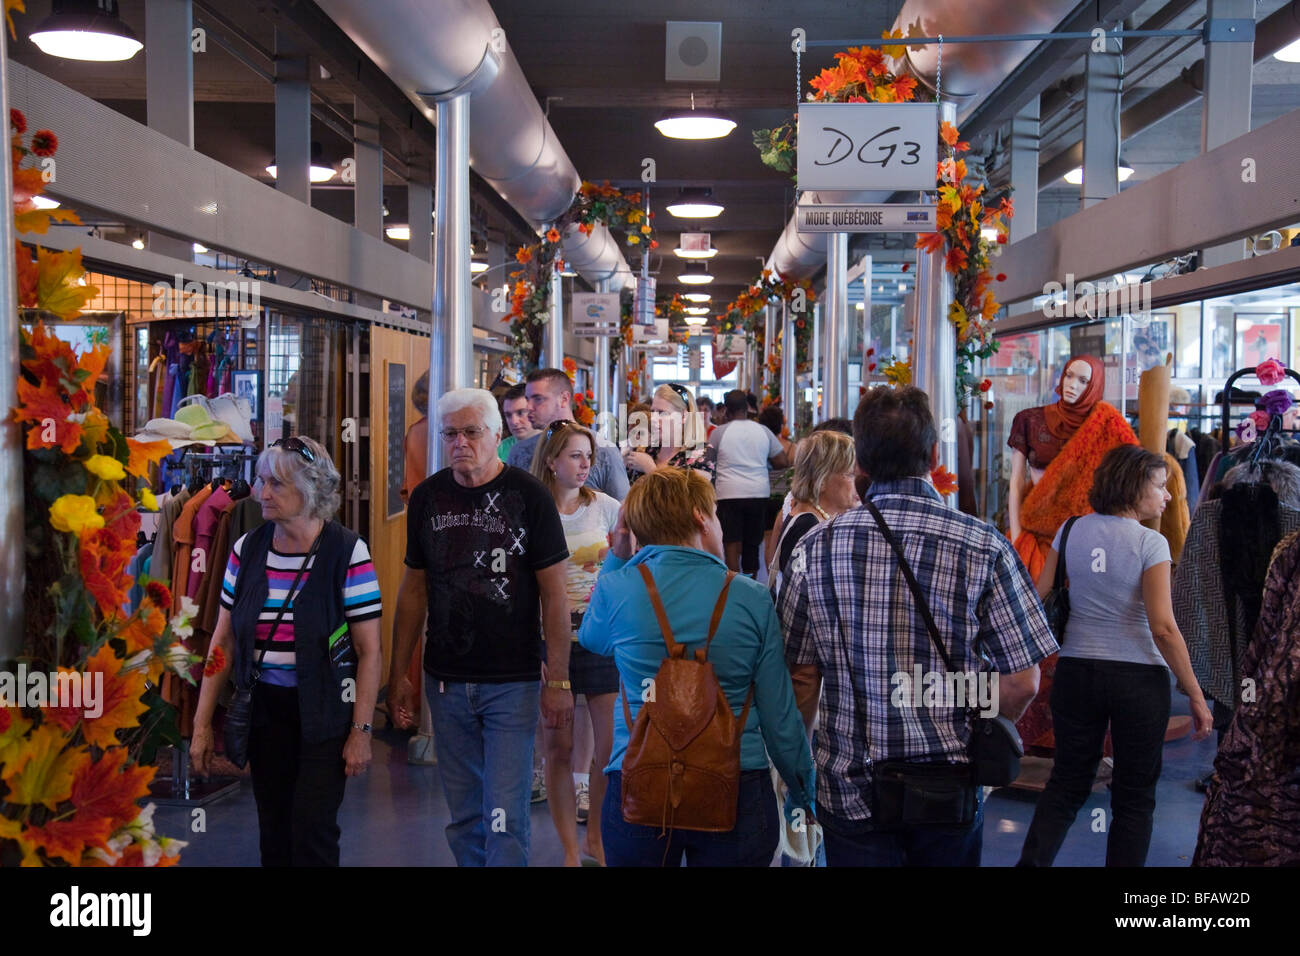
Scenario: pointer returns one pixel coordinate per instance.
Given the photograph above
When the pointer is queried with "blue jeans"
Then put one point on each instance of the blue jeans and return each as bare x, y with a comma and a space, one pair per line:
484, 737
853, 843
751, 842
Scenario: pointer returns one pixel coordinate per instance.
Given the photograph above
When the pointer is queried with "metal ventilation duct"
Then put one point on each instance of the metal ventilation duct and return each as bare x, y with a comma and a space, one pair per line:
435, 48
970, 70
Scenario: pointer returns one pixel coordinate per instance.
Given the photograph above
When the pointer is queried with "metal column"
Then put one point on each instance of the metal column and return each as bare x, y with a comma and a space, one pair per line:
602, 389
553, 343
169, 91
769, 343
1024, 171
1225, 111
419, 213
368, 195
13, 569
451, 348
837, 325
1101, 106
292, 120
815, 350
789, 363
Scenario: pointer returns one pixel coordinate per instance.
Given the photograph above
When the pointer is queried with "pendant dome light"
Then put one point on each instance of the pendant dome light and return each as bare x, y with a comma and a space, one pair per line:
694, 273
697, 297
86, 30
693, 124
695, 202
1075, 176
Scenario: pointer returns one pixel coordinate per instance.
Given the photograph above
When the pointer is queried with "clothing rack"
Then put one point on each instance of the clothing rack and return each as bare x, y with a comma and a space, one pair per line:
232, 463
1227, 396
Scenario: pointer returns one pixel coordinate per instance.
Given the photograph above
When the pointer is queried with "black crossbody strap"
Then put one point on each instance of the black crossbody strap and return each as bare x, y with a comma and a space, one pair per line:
1059, 580
921, 604
288, 603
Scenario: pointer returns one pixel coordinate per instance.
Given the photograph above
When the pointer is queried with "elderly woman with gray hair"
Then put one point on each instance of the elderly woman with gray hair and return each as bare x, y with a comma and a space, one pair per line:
299, 624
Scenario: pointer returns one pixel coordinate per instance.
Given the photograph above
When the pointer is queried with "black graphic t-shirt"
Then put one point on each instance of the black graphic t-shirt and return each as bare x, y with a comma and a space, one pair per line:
480, 549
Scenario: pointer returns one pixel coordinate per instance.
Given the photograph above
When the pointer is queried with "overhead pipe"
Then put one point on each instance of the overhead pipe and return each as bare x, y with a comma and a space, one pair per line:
450, 46
970, 70
1271, 34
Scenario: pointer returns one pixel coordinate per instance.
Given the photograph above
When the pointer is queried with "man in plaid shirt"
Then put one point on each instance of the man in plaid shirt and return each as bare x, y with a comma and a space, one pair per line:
850, 619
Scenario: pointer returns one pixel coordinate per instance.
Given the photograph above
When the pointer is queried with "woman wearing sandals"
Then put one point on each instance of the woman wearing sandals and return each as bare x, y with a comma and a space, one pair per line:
561, 462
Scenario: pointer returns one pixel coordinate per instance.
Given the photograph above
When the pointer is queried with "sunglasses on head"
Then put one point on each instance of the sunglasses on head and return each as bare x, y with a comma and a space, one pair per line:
682, 391
555, 426
295, 444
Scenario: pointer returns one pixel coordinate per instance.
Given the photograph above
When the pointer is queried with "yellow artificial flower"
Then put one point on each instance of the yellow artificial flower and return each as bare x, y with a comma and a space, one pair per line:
75, 513
148, 500
646, 230
633, 240
105, 467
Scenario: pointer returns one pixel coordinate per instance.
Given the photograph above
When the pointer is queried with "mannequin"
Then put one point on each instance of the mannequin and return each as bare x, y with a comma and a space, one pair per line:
1056, 449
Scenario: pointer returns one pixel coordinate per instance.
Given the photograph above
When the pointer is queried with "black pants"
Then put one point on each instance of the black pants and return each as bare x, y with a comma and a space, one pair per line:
1086, 696
298, 786
742, 520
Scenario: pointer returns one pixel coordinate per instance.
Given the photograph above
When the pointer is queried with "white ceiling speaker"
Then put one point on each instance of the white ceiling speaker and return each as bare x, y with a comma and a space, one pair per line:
693, 52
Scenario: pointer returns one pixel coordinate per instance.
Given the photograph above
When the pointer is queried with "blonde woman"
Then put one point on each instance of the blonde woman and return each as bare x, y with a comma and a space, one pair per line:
562, 462
824, 469
677, 435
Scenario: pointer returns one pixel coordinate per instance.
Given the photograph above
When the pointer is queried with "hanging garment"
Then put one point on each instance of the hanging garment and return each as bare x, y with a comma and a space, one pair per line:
1252, 810
1175, 520
163, 544
1183, 449
205, 529
183, 538
199, 370
137, 568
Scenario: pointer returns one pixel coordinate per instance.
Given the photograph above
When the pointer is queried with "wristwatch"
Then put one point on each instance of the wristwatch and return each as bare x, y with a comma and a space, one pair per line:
364, 728
559, 685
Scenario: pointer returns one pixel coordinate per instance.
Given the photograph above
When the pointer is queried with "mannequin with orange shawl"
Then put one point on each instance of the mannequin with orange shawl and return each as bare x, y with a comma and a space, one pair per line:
1056, 449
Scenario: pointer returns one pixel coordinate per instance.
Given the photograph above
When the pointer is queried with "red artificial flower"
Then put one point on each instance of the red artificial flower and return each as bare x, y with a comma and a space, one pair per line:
552, 235
591, 396
18, 121
654, 243
44, 143
216, 662
986, 385
1001, 277
1002, 238
906, 266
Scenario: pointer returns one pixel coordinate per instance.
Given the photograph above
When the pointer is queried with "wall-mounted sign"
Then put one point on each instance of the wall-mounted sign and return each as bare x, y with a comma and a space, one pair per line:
856, 146
595, 313
884, 217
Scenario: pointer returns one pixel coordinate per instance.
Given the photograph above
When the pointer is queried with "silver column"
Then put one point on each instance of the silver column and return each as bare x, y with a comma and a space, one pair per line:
451, 347
789, 364
815, 350
836, 401
368, 194
1225, 112
1100, 129
169, 91
770, 326
292, 119
601, 374
1024, 170
553, 343
13, 570
934, 346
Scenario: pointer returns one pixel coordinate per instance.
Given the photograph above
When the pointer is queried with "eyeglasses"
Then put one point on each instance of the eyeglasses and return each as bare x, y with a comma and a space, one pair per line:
555, 426
472, 432
295, 444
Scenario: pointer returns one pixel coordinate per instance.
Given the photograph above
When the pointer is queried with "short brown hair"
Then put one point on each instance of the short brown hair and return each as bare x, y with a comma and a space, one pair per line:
816, 458
893, 432
549, 445
660, 508
556, 375
1118, 482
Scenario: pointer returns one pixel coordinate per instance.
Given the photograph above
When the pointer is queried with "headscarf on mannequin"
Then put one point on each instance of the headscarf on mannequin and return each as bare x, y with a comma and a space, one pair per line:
1064, 419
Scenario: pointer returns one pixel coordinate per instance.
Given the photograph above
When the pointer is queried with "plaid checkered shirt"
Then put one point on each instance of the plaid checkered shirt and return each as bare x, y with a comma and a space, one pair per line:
846, 607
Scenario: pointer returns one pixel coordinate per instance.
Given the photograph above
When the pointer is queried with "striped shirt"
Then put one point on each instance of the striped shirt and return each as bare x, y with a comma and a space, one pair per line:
360, 603
844, 600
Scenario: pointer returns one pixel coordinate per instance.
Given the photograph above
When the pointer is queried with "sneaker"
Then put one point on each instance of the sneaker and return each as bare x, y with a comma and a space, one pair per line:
539, 787
584, 802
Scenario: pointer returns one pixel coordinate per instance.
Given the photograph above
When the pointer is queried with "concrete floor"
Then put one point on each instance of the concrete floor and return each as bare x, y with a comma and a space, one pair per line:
395, 814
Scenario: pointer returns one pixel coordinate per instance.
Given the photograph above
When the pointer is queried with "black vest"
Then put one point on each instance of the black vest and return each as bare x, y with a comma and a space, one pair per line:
317, 612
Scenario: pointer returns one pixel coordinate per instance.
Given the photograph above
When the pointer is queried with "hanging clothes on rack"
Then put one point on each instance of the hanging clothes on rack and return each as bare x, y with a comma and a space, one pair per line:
163, 543
1181, 446
205, 528
167, 381
183, 538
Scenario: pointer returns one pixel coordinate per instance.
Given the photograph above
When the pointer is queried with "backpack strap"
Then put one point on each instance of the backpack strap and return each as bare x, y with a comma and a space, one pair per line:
718, 608
674, 649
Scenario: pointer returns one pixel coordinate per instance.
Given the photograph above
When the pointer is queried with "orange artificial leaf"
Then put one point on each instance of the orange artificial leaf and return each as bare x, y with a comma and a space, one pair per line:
28, 182
929, 241
28, 275
42, 770
68, 839
990, 307
104, 557
44, 406
121, 696
57, 290
905, 88
109, 787
10, 7
956, 260
893, 49
948, 132
13, 727
945, 482
38, 220
144, 454
65, 718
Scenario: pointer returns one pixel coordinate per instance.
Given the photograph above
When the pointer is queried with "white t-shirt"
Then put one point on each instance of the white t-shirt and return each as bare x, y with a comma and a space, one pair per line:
586, 532
743, 449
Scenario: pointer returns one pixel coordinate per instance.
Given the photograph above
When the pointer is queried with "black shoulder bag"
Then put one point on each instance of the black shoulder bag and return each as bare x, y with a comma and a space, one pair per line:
239, 715
994, 747
1057, 603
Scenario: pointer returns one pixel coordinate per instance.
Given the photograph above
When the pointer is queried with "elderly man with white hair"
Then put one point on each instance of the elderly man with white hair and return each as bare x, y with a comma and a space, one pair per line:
486, 561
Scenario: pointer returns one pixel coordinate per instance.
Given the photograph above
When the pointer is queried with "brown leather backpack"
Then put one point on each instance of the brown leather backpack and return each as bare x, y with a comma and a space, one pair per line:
682, 766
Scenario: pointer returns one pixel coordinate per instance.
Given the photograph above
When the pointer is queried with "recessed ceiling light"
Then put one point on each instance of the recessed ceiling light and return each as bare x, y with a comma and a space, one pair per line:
45, 202
398, 232
695, 202
317, 174
697, 297
694, 273
200, 248
86, 30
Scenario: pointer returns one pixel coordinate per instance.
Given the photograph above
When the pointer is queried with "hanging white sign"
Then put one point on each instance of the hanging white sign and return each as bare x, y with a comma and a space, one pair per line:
881, 217
595, 313
859, 146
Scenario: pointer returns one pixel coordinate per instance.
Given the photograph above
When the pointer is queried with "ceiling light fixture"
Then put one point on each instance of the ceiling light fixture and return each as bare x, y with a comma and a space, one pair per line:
695, 202
693, 124
317, 174
696, 310
696, 253
1075, 176
137, 242
200, 248
86, 30
401, 233
694, 273
1289, 53
45, 202
475, 267
697, 297
696, 320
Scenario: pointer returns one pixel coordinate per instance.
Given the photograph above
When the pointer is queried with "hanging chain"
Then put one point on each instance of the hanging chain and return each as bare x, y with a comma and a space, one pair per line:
938, 74
798, 74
